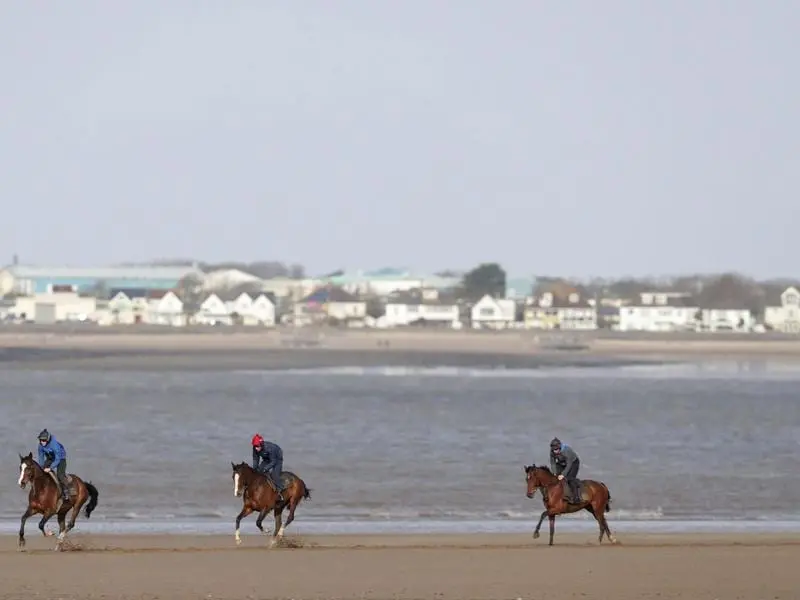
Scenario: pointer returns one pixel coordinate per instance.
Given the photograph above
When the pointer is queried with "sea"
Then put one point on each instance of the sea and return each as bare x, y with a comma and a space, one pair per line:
684, 447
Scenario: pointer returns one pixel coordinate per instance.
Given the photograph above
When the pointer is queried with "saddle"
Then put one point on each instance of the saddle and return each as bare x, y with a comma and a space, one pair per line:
68, 477
579, 486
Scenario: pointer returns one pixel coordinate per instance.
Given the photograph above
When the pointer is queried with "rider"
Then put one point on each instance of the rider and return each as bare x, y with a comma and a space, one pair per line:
565, 463
53, 457
270, 457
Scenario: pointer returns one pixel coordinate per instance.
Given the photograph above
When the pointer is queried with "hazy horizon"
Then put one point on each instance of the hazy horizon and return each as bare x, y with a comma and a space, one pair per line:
581, 139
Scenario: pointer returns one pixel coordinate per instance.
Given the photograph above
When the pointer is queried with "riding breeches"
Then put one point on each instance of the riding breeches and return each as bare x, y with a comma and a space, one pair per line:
273, 470
571, 476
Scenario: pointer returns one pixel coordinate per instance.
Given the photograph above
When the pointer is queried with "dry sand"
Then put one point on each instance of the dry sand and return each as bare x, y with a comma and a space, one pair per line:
689, 567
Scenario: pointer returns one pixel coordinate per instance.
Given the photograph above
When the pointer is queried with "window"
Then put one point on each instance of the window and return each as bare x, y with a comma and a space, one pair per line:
486, 312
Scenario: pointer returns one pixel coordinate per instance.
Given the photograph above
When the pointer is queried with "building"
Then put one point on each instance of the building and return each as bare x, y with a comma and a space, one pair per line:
561, 307
383, 282
783, 313
27, 280
493, 313
54, 308
420, 307
660, 311
329, 303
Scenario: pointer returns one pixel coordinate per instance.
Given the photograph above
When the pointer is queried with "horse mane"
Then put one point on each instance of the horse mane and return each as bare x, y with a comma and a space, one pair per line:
544, 468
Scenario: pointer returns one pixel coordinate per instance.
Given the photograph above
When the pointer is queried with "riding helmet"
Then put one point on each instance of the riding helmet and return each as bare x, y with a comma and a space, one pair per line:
555, 444
257, 440
44, 435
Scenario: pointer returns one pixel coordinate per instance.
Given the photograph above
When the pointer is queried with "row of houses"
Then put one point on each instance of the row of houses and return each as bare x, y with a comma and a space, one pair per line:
550, 310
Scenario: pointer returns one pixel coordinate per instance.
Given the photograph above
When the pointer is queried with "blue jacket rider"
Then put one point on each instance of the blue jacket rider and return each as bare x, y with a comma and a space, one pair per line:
565, 463
53, 457
268, 459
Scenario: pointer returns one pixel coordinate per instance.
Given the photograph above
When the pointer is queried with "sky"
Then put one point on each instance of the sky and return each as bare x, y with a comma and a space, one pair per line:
577, 138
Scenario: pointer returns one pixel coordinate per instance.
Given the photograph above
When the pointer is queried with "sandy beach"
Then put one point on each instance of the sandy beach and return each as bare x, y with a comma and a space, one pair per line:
135, 348
690, 567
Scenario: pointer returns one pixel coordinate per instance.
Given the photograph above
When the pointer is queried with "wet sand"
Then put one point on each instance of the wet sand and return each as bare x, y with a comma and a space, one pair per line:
690, 567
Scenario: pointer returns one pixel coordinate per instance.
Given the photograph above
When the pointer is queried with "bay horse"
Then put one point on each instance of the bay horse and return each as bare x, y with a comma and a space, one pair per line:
594, 495
259, 494
45, 498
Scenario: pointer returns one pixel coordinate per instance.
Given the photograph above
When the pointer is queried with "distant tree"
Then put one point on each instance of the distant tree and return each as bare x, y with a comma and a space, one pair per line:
731, 290
486, 278
297, 271
98, 290
190, 291
375, 308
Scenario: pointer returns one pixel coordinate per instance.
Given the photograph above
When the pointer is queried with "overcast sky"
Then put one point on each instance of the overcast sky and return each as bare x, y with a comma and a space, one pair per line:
575, 138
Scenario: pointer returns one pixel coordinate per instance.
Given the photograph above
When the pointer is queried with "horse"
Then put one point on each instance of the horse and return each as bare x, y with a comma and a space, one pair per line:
594, 495
45, 498
259, 494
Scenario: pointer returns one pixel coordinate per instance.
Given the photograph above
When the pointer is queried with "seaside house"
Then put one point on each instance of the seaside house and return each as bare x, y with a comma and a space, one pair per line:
263, 311
782, 312
729, 315
493, 313
213, 311
420, 307
561, 307
165, 309
330, 304
248, 310
660, 311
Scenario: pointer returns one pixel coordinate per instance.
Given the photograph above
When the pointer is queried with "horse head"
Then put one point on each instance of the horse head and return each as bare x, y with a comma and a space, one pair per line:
27, 469
241, 477
537, 477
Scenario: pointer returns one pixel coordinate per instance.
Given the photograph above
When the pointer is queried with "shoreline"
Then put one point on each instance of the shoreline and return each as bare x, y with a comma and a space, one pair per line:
481, 567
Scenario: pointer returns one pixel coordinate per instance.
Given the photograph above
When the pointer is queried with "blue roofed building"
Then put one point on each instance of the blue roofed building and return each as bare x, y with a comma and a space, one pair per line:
28, 280
383, 282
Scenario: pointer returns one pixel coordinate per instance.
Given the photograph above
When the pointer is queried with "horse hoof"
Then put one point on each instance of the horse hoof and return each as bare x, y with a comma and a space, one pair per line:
49, 533
536, 535
238, 542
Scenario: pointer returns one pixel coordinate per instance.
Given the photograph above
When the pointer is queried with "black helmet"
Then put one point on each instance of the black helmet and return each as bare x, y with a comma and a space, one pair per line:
555, 444
44, 435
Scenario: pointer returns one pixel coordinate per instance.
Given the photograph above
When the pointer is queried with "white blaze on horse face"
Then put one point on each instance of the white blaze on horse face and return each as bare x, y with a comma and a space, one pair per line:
235, 484
21, 473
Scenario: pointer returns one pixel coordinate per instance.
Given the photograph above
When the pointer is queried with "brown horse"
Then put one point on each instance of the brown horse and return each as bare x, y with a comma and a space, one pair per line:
259, 494
595, 498
45, 498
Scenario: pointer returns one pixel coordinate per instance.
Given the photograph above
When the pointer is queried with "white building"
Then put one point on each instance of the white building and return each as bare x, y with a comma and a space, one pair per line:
493, 313
400, 314
660, 311
54, 307
783, 313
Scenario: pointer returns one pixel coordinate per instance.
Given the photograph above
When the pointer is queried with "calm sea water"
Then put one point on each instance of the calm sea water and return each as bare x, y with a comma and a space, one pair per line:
701, 447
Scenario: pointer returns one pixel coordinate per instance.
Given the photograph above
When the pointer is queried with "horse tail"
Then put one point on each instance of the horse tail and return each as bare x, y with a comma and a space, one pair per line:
307, 494
93, 495
608, 502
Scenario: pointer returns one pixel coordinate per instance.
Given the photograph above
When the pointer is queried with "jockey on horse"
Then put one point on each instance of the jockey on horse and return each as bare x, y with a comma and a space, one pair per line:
268, 460
53, 457
565, 463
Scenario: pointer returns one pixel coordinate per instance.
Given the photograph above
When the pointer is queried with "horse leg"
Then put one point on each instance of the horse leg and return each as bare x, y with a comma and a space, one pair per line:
260, 520
292, 507
604, 526
62, 528
277, 533
246, 510
539, 525
591, 510
25, 516
45, 518
552, 518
